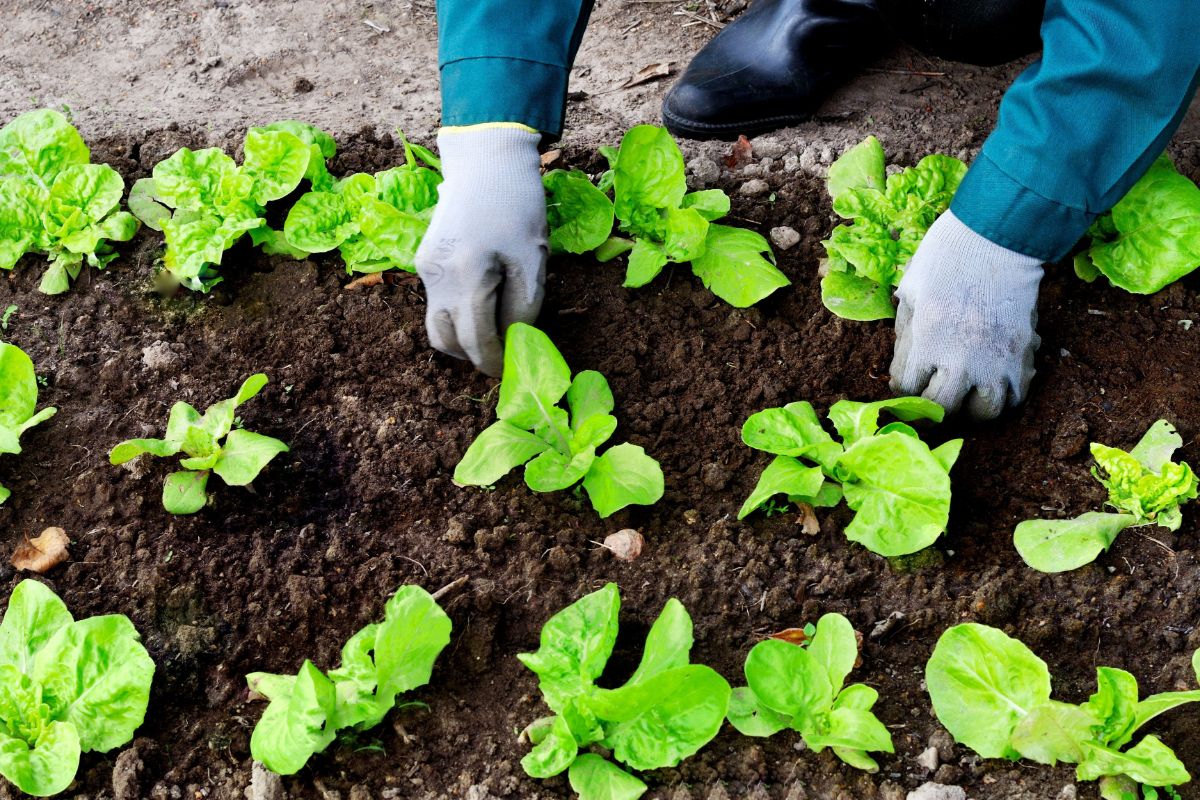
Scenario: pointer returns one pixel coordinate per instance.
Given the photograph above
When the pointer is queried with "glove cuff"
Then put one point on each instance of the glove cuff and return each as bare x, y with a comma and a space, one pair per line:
495, 156
949, 234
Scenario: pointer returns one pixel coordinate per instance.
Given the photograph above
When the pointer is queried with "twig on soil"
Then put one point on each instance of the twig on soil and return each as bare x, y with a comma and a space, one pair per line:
683, 12
920, 73
451, 587
418, 563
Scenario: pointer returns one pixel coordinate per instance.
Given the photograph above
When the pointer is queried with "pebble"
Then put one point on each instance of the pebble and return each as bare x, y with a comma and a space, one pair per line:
1069, 792
784, 238
264, 784
705, 170
126, 774
929, 759
937, 791
754, 188
159, 357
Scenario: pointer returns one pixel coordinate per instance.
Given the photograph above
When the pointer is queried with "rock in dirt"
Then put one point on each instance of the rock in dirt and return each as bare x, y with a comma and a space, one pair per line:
938, 791
1069, 792
625, 545
704, 170
264, 784
784, 238
160, 357
42, 553
754, 188
929, 759
126, 775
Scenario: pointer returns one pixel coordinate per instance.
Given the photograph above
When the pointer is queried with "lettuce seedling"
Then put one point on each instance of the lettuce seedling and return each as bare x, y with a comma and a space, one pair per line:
237, 460
379, 663
899, 487
667, 224
1144, 486
215, 202
66, 687
53, 201
18, 401
1151, 238
560, 448
376, 221
579, 215
889, 215
663, 714
993, 695
802, 687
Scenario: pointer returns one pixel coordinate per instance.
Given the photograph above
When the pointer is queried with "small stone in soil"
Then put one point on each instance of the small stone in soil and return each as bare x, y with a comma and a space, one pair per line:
264, 784
625, 545
784, 238
754, 188
937, 791
929, 759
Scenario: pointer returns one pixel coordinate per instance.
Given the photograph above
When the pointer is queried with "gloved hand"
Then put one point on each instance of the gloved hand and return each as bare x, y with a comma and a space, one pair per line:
483, 259
965, 325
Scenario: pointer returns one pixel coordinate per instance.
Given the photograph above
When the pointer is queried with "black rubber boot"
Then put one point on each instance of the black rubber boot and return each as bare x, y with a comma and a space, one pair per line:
772, 67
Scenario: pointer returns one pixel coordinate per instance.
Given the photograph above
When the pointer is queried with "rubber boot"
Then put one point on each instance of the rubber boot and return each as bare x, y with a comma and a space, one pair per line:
771, 67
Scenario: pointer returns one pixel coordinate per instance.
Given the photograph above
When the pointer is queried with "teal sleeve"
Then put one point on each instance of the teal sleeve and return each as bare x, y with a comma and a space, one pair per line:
502, 61
1084, 122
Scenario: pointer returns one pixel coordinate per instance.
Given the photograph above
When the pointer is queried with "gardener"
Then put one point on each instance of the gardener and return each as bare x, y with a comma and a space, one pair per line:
1075, 131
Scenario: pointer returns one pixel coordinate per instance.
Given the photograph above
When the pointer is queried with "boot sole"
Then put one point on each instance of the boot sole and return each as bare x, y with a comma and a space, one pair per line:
728, 131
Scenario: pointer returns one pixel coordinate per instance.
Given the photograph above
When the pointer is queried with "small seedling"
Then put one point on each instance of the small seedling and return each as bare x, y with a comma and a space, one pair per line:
560, 447
899, 487
6, 316
1144, 486
379, 663
54, 201
375, 221
237, 460
663, 714
1150, 238
203, 202
18, 401
889, 216
69, 687
993, 695
802, 687
660, 222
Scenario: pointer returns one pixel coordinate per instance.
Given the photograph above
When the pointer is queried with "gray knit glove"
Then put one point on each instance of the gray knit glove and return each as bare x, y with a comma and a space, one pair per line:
483, 260
964, 329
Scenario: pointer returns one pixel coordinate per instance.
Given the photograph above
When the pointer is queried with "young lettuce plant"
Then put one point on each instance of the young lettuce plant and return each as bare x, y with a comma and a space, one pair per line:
663, 714
215, 202
379, 663
376, 221
802, 687
1144, 486
237, 460
560, 447
889, 215
53, 201
1151, 238
667, 224
993, 695
578, 213
68, 687
897, 484
18, 401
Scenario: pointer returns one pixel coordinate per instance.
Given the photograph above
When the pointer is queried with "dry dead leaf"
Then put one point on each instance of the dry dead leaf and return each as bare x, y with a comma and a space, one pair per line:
625, 544
370, 279
790, 635
42, 553
741, 153
808, 519
648, 73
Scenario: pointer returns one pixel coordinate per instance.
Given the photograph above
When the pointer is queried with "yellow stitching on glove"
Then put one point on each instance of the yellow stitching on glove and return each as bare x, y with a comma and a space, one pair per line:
486, 125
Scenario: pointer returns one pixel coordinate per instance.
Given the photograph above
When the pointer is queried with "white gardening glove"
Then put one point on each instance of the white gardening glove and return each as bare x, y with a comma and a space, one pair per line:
483, 259
965, 325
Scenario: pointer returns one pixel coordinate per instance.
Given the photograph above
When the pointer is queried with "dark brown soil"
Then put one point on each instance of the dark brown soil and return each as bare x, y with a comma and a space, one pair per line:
364, 503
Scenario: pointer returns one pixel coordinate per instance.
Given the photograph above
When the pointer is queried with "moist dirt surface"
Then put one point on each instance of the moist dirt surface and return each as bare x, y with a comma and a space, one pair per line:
262, 579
